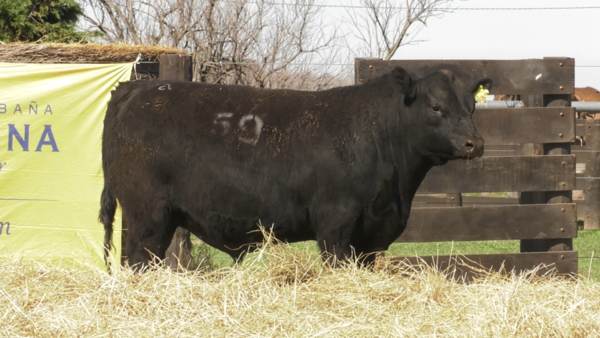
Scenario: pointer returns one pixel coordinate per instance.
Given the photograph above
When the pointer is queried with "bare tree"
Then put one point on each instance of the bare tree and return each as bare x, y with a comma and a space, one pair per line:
383, 26
233, 41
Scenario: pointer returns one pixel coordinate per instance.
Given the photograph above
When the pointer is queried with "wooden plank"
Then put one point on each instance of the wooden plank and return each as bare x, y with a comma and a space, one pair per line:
591, 210
581, 183
175, 67
469, 267
488, 200
455, 199
583, 155
502, 147
428, 201
492, 174
525, 125
500, 150
499, 153
491, 223
582, 126
531, 76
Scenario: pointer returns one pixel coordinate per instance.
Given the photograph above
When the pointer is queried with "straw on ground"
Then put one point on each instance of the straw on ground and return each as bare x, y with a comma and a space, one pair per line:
287, 292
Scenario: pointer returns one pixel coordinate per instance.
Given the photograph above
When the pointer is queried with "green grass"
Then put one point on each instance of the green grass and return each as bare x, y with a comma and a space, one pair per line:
587, 244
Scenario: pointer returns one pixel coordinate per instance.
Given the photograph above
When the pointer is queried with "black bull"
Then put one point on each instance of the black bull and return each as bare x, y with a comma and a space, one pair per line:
340, 166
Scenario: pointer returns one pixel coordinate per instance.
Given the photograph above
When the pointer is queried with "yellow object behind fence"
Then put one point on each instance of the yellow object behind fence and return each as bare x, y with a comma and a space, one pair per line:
51, 118
481, 95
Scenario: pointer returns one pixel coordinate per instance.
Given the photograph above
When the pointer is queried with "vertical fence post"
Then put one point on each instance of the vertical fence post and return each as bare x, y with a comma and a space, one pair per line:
177, 67
552, 197
592, 172
530, 149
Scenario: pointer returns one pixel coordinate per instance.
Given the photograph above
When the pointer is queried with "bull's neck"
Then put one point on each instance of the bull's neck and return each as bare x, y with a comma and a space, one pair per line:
393, 136
415, 168
401, 151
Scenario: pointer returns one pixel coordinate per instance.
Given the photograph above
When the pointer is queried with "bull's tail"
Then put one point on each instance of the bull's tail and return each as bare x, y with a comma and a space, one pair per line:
108, 207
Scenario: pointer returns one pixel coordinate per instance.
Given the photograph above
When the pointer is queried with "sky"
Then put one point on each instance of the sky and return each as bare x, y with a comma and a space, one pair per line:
512, 34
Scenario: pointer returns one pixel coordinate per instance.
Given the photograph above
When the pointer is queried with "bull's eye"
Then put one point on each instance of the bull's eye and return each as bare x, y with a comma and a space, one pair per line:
436, 109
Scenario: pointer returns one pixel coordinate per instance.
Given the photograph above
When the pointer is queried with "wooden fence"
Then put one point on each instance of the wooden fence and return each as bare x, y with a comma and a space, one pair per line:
587, 191
543, 217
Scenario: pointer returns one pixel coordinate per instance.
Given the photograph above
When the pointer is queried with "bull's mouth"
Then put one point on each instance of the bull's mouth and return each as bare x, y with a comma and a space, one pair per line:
443, 158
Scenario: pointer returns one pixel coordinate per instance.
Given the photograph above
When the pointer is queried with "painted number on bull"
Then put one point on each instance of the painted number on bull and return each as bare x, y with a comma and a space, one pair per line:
222, 119
250, 125
258, 124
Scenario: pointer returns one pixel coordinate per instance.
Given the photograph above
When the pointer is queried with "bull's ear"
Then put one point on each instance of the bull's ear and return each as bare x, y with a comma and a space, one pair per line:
486, 83
404, 83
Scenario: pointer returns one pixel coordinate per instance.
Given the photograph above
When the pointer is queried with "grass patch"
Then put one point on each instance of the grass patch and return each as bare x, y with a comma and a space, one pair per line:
587, 244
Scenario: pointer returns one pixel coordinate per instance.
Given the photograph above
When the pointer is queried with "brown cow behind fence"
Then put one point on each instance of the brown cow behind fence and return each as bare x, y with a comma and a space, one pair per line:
586, 94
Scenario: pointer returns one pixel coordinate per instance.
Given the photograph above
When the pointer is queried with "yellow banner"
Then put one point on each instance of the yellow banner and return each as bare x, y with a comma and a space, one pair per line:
51, 119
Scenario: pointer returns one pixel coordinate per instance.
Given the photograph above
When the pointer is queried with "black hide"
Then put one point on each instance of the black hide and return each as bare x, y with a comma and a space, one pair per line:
339, 166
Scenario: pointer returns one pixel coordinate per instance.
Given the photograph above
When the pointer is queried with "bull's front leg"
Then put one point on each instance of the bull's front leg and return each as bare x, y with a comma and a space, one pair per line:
335, 226
378, 230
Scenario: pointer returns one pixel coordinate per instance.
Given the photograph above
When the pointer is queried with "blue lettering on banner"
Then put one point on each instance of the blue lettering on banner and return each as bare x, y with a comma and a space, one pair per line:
7, 225
47, 138
14, 133
50, 142
2, 165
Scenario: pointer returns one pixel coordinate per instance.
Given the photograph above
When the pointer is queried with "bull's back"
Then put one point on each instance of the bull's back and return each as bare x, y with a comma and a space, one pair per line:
232, 136
242, 121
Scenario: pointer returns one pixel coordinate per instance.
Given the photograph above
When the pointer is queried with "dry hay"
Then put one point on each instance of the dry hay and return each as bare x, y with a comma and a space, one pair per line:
283, 291
79, 53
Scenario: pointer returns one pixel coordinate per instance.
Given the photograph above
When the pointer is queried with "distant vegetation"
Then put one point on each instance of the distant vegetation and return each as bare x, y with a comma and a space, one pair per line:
41, 20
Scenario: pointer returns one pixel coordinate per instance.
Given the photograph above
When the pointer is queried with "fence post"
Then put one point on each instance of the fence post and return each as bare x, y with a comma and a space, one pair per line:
552, 197
592, 172
530, 149
177, 67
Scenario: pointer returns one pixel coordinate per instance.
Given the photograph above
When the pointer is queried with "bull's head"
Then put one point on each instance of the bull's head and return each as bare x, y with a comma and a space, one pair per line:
437, 113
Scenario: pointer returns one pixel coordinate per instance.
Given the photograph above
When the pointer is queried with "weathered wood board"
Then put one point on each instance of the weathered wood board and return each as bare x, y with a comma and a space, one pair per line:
530, 76
510, 222
525, 125
492, 174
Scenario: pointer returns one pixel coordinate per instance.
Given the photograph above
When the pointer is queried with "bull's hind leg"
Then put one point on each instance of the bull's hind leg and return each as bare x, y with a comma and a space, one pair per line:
150, 233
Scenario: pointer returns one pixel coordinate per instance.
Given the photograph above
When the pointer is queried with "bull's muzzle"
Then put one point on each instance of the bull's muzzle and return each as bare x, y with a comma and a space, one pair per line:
474, 147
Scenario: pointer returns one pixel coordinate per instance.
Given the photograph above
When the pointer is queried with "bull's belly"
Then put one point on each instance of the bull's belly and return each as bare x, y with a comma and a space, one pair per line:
223, 229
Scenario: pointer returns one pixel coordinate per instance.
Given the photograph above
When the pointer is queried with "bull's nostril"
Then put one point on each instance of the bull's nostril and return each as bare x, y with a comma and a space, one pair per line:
469, 146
